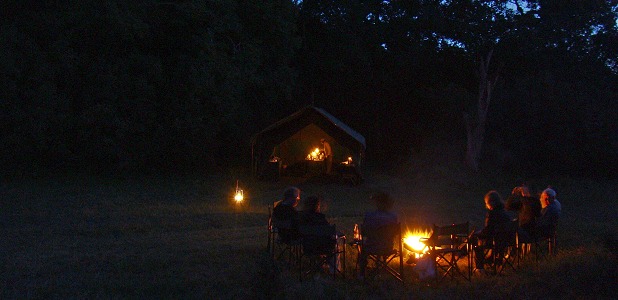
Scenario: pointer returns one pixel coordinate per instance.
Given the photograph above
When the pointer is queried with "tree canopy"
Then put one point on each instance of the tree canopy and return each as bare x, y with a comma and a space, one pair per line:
169, 85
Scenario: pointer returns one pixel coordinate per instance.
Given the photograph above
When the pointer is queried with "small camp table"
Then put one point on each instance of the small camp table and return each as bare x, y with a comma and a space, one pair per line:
314, 167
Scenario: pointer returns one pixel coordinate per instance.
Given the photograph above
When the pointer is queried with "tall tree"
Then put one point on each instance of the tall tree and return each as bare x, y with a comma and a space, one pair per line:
475, 125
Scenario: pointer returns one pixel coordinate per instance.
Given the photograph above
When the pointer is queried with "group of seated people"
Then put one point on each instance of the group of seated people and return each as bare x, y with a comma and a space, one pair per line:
285, 210
536, 217
310, 215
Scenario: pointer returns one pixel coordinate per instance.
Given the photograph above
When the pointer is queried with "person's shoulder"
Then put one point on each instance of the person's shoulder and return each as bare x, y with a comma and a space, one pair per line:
549, 210
285, 209
554, 207
506, 215
499, 215
305, 217
380, 213
322, 219
385, 217
370, 214
393, 216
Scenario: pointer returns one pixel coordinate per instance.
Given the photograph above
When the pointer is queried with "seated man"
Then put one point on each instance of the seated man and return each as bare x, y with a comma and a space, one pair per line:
375, 219
550, 213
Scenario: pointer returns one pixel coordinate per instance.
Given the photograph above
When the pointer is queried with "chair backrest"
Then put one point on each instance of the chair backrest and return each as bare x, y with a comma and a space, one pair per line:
506, 234
277, 222
318, 239
380, 240
285, 220
449, 235
282, 224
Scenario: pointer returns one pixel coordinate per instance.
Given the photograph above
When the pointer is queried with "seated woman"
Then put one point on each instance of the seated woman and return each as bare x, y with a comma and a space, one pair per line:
528, 210
496, 216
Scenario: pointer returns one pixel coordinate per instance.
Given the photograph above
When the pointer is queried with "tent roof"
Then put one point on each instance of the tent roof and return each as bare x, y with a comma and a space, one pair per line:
286, 127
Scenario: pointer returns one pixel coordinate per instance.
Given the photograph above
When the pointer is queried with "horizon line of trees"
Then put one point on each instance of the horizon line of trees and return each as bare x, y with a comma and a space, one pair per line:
179, 85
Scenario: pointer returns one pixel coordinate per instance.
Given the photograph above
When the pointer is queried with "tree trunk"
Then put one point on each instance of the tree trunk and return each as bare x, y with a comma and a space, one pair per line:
475, 127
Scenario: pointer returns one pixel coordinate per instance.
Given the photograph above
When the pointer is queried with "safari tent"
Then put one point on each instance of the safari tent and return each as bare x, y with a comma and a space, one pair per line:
284, 146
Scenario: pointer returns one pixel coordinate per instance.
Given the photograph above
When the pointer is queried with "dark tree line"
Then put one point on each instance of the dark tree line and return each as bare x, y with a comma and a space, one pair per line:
168, 85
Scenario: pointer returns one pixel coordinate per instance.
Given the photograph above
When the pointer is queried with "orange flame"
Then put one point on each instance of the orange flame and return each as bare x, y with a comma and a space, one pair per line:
413, 239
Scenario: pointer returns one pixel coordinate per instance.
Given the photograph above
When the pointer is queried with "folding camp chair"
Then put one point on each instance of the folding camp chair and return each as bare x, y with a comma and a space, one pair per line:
323, 248
278, 246
546, 242
525, 241
448, 245
378, 247
541, 247
504, 248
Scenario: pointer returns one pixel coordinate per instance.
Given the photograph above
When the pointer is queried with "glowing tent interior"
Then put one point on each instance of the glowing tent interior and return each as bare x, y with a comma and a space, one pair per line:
284, 147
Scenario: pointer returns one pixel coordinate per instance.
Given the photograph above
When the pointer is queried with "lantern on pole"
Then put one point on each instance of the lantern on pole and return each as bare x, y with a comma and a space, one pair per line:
238, 194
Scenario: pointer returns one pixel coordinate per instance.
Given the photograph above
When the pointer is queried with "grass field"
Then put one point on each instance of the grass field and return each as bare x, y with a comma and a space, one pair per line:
181, 237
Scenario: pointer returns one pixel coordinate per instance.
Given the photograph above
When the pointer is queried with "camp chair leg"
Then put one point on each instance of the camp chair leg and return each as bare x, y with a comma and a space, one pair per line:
448, 245
381, 258
320, 250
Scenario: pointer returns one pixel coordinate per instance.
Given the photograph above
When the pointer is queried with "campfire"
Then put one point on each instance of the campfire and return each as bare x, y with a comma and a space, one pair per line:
412, 241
